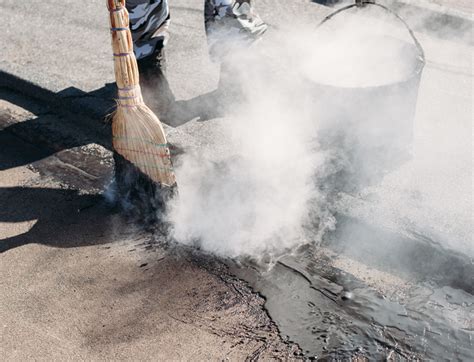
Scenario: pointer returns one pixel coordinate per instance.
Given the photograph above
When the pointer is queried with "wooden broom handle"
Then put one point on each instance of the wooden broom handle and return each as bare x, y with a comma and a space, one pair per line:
125, 63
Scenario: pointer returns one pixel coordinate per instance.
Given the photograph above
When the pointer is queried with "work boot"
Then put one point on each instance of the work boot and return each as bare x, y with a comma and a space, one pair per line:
156, 90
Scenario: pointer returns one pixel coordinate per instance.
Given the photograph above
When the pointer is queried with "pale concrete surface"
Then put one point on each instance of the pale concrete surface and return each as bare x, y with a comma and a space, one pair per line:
76, 53
67, 44
80, 283
445, 96
462, 8
57, 44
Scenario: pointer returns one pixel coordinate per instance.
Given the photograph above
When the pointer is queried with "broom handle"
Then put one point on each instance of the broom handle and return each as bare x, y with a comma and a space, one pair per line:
125, 62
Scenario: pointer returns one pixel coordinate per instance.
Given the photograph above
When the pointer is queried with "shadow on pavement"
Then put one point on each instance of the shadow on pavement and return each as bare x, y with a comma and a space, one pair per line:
61, 217
73, 118
53, 131
64, 218
203, 108
30, 131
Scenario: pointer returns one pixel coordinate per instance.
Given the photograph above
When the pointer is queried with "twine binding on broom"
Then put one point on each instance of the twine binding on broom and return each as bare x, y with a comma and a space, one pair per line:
138, 135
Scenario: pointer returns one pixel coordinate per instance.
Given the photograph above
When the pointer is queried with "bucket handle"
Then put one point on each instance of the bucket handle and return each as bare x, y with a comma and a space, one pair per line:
363, 3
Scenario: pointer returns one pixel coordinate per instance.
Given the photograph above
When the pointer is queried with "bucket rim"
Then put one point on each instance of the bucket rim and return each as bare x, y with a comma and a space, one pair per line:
363, 3
415, 74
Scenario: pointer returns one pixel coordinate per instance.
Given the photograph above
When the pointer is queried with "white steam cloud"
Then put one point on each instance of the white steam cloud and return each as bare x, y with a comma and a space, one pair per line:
255, 197
288, 146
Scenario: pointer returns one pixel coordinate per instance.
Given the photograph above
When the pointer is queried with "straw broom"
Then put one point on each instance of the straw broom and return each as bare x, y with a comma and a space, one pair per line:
138, 135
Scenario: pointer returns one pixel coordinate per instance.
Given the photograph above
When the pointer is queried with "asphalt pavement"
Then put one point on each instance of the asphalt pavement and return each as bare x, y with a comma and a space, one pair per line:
59, 52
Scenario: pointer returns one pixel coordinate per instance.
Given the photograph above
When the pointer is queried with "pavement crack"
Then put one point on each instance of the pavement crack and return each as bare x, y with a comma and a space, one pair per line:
77, 169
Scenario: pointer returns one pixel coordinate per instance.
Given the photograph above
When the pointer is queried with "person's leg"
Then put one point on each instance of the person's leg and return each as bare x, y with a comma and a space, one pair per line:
229, 23
149, 22
231, 26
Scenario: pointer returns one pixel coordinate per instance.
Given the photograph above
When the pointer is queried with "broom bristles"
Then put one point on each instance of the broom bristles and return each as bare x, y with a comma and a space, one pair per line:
138, 135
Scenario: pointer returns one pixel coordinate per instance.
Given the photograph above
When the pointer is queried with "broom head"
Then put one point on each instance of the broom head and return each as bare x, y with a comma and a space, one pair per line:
138, 136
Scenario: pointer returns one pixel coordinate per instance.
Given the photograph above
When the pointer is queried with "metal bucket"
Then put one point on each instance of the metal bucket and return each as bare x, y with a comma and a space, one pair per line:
367, 123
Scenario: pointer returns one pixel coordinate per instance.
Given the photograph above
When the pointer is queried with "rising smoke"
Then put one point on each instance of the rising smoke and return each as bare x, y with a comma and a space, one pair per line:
291, 146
